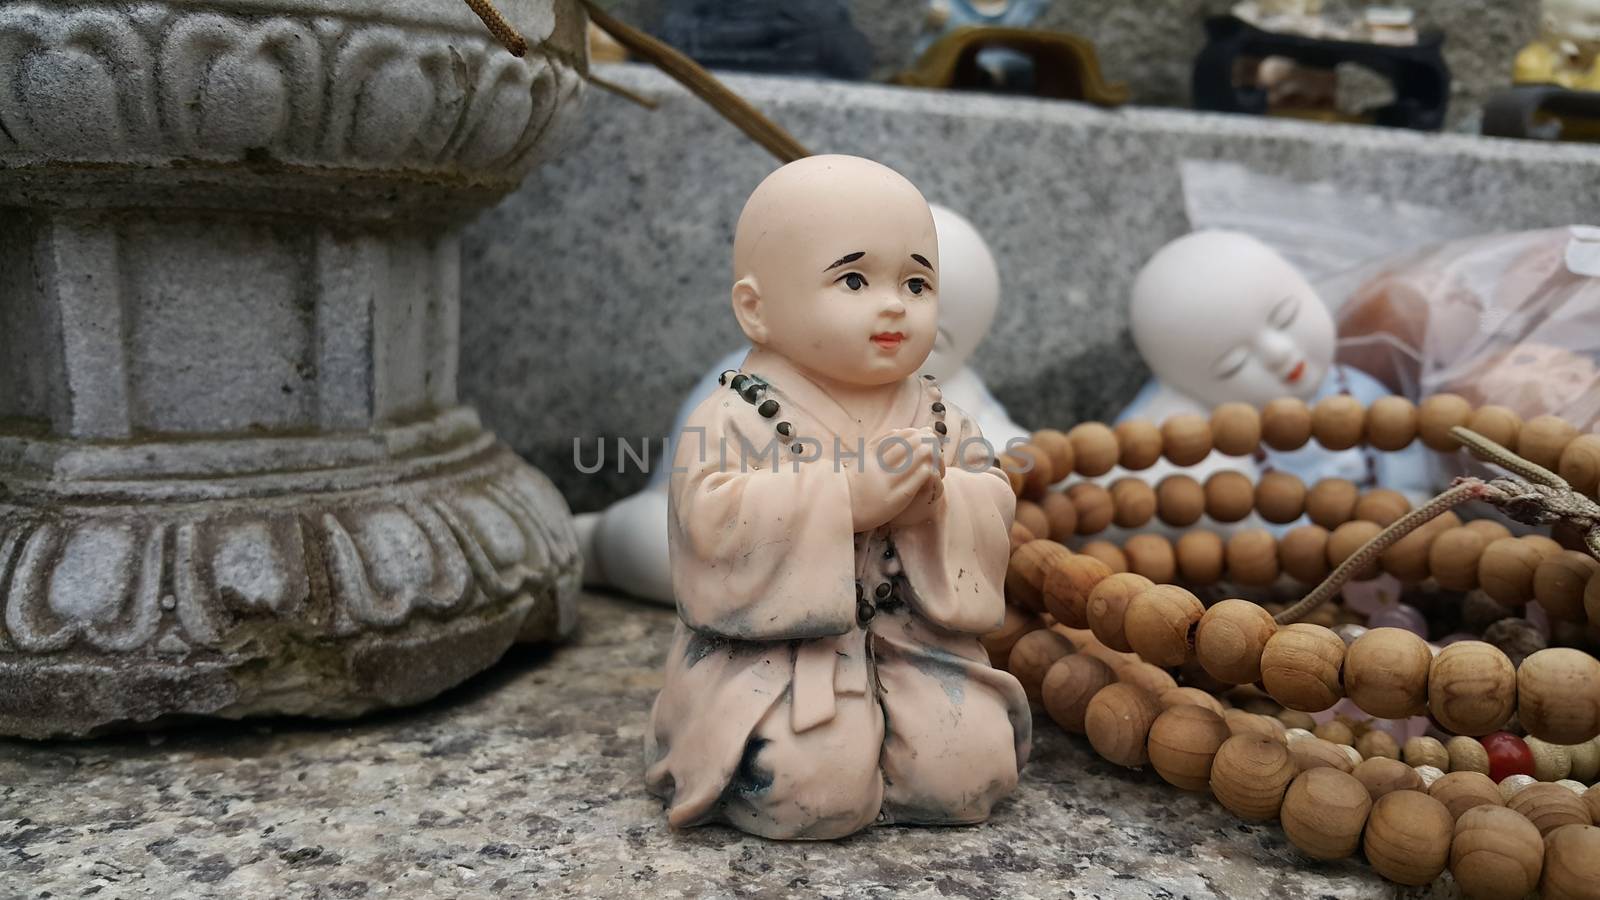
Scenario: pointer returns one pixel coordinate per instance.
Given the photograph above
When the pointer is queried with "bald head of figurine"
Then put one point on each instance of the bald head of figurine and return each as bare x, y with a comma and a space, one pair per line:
1221, 317
836, 268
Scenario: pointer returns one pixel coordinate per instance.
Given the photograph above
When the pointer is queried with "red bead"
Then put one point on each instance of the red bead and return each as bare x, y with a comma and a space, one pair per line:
1508, 755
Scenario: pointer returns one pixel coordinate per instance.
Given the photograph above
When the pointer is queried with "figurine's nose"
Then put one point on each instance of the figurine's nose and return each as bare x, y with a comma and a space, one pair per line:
893, 305
1275, 349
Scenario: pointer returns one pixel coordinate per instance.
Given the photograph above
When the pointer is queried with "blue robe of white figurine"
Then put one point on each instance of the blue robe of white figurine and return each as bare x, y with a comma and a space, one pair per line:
625, 547
1221, 317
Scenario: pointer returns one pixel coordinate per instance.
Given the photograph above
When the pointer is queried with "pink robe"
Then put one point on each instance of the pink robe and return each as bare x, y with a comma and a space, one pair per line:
787, 710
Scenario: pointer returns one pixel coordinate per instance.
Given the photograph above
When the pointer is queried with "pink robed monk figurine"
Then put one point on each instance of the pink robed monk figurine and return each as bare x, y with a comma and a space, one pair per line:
839, 539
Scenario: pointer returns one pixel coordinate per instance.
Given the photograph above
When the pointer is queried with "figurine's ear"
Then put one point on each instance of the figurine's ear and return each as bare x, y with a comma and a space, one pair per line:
747, 308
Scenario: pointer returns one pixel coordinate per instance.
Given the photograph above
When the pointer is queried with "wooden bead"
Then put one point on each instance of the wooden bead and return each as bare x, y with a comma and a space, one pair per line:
1558, 695
1303, 553
1229, 496
1108, 605
1286, 424
1551, 762
1424, 751
1294, 718
1020, 535
1571, 863
1057, 448
1472, 688
1118, 721
1332, 502
1026, 572
1376, 744
1559, 582
1151, 678
1495, 854
1386, 673
1133, 502
1507, 567
1408, 836
1180, 500
1252, 557
1497, 423
1067, 587
1312, 752
1407, 558
999, 642
1062, 515
1183, 741
1108, 553
1230, 640
1068, 687
1031, 516
1094, 448
1037, 475
1453, 558
1152, 556
1490, 529
1012, 467
1338, 421
1382, 774
1382, 506
1236, 429
1324, 811
1346, 540
1250, 774
1391, 423
1543, 439
1159, 621
1585, 759
1591, 600
1300, 667
1550, 806
1094, 505
1186, 439
1280, 497
1466, 754
1140, 443
1437, 415
1580, 464
1461, 791
1033, 655
1591, 799
1200, 557
1180, 696
1335, 731
1242, 721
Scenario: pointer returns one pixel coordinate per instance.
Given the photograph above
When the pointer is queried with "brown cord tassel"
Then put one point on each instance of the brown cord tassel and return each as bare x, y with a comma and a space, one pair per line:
503, 31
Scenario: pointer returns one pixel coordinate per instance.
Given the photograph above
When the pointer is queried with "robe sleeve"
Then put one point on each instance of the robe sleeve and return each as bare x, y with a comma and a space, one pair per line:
956, 563
762, 545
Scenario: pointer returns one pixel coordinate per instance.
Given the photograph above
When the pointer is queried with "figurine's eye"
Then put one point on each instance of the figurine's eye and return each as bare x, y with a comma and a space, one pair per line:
1283, 314
853, 281
916, 285
1232, 362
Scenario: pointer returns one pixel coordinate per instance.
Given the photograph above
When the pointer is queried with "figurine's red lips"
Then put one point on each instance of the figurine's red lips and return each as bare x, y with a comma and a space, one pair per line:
888, 340
1296, 373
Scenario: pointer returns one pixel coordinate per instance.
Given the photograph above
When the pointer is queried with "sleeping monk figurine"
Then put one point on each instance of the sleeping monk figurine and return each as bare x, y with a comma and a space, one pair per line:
839, 539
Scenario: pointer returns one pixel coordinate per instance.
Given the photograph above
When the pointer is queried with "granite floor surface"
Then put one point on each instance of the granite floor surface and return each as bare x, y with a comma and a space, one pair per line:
527, 782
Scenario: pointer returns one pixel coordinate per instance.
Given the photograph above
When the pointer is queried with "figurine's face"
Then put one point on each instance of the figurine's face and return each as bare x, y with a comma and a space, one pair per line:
839, 262
969, 293
1220, 317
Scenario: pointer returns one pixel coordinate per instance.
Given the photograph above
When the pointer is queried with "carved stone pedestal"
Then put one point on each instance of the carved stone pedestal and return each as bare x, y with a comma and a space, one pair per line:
234, 476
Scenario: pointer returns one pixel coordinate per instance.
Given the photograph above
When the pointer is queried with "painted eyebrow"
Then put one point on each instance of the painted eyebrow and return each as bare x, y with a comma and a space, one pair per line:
923, 260
846, 259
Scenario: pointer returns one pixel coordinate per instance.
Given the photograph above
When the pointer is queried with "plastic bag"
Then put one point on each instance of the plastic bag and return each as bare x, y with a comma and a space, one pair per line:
1508, 319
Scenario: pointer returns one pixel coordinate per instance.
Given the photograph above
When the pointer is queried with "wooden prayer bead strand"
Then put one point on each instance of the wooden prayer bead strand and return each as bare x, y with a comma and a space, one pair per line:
1236, 429
1280, 497
1300, 667
1286, 424
1094, 447
1338, 422
1186, 439
1391, 424
1386, 673
1230, 496
1230, 640
1139, 443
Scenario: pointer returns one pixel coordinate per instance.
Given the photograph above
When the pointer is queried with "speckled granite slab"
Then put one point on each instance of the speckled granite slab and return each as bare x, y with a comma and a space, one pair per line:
527, 783
598, 293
